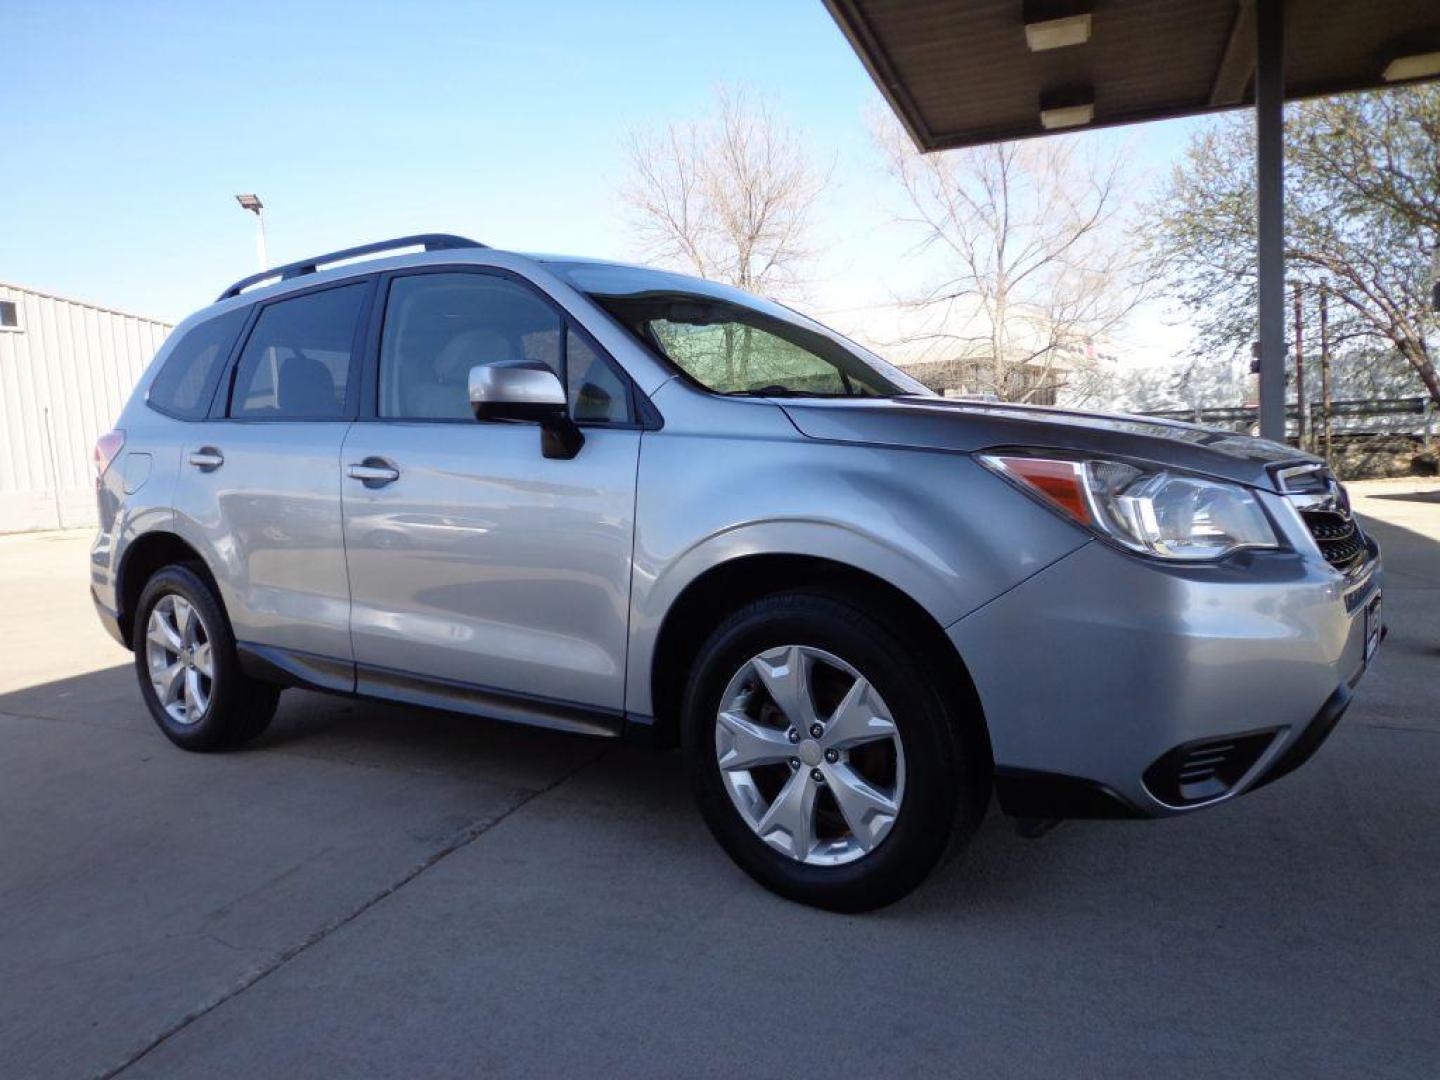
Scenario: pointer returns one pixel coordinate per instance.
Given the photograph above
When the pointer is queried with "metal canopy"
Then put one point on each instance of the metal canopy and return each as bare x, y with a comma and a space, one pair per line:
968, 72
960, 72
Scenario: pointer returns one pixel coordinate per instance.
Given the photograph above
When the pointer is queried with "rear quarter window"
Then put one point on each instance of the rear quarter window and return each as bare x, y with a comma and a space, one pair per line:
185, 384
296, 364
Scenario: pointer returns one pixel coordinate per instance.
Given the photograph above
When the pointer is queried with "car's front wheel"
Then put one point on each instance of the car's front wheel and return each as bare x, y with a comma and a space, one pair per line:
189, 672
826, 758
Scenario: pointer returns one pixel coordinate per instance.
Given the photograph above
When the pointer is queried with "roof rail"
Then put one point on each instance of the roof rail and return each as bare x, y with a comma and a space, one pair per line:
429, 241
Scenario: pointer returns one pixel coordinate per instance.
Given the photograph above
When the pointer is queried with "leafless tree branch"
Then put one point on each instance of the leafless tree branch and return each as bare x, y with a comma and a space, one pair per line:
1028, 243
730, 197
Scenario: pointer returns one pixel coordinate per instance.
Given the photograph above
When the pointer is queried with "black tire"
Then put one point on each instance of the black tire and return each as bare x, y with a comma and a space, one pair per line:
239, 707
947, 784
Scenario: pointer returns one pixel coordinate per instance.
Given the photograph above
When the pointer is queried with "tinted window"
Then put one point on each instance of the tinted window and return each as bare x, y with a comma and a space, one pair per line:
735, 357
296, 365
598, 394
185, 384
439, 326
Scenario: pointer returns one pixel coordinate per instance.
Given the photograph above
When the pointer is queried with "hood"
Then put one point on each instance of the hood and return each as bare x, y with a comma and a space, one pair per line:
953, 424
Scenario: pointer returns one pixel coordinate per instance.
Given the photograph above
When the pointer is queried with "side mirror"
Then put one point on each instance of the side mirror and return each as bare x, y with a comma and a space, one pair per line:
526, 390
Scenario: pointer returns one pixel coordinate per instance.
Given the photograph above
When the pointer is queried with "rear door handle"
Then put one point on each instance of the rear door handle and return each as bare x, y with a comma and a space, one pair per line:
373, 472
207, 459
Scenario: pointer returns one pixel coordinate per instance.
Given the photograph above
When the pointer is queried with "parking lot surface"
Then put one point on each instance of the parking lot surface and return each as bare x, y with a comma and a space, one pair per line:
373, 890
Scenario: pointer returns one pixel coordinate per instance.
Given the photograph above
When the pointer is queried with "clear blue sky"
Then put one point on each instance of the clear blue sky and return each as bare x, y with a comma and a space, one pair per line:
131, 126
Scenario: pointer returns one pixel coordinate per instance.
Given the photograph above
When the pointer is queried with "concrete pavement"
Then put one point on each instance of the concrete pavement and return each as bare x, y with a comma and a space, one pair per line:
374, 890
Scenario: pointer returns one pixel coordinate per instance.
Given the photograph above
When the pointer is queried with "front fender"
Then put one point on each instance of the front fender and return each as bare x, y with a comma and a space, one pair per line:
937, 526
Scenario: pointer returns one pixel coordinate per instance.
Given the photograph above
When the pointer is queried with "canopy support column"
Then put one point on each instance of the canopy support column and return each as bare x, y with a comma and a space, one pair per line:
1270, 210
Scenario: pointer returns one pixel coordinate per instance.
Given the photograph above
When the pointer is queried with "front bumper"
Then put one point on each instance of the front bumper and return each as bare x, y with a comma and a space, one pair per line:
1111, 684
108, 619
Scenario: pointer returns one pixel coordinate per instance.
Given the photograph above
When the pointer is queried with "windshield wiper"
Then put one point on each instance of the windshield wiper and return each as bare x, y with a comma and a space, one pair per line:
780, 391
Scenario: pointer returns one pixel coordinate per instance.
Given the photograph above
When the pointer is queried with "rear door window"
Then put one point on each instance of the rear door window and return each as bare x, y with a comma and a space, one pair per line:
184, 386
296, 364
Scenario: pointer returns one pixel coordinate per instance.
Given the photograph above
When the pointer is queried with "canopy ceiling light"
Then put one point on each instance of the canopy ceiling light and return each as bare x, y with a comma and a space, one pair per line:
1418, 66
1067, 116
1045, 34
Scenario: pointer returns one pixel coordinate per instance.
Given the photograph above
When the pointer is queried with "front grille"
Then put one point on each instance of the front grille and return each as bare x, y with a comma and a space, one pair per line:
1325, 509
1200, 771
1340, 539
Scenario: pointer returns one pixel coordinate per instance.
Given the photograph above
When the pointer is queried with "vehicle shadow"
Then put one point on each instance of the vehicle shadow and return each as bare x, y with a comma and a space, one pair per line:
1407, 496
335, 728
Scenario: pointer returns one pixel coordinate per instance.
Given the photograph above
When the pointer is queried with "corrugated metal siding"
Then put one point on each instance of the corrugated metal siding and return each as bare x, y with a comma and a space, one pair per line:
64, 376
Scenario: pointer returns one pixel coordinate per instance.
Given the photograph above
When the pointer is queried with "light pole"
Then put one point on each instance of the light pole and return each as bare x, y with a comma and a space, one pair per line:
256, 207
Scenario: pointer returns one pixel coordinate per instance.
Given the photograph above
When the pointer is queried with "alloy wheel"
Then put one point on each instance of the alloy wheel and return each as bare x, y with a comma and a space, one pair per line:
180, 659
810, 755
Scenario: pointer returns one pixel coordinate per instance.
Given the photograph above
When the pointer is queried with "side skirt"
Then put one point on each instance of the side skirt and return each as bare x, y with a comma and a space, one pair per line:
288, 667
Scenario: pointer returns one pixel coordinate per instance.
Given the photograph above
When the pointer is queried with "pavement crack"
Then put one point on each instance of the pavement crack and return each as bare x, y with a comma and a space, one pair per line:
97, 725
1399, 727
218, 940
7, 715
459, 840
377, 766
269, 883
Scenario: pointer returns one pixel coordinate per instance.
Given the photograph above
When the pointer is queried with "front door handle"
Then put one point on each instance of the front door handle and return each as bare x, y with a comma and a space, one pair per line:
207, 459
373, 472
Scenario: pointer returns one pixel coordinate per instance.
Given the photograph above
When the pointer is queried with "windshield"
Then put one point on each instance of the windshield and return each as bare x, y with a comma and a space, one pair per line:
731, 342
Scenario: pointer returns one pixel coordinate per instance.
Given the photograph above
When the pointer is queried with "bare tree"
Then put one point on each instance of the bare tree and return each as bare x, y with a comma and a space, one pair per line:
1362, 223
729, 196
1033, 271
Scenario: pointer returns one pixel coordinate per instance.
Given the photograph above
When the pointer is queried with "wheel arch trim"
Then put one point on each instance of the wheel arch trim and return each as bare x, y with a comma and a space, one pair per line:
758, 560
142, 556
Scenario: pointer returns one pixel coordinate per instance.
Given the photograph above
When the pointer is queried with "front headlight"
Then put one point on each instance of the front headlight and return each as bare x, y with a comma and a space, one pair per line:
1151, 510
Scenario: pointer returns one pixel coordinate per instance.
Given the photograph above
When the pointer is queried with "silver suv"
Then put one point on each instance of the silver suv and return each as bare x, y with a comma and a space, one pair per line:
611, 500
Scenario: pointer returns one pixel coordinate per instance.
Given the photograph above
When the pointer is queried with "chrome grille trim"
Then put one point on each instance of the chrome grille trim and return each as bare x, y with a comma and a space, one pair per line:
1325, 509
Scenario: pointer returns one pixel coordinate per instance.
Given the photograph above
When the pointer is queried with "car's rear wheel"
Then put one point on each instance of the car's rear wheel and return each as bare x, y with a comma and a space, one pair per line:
188, 669
826, 757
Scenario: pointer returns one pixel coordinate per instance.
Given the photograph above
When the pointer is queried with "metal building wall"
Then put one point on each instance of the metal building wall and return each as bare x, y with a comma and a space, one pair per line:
65, 373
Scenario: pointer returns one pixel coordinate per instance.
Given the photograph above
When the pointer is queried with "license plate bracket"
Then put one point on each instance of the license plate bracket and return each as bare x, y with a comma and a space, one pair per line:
1373, 626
